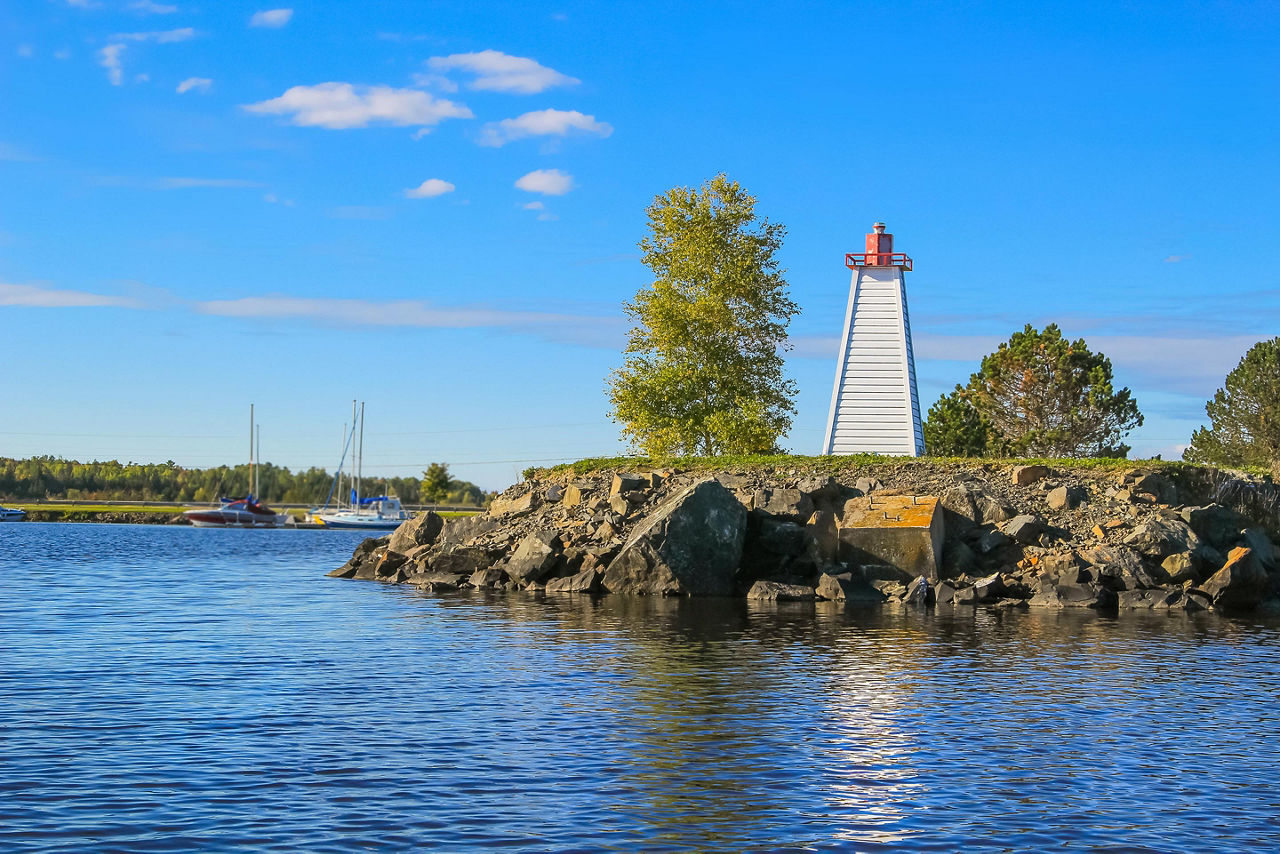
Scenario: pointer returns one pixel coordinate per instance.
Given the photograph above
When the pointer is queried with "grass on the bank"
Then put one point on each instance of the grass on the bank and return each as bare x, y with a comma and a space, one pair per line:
43, 506
840, 463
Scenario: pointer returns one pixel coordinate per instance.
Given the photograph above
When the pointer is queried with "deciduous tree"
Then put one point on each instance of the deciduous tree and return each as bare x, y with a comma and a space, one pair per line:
703, 372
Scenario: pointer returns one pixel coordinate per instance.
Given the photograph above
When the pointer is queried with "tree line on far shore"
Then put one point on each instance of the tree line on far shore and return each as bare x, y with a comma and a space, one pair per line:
53, 478
703, 372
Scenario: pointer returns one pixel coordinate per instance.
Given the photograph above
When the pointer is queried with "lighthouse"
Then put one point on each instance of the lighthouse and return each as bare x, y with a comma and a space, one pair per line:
875, 408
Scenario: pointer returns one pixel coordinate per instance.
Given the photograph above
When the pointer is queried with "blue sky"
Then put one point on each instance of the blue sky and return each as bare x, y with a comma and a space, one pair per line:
434, 207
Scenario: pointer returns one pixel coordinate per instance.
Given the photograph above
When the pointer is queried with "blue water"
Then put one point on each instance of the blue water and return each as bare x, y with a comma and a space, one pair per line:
174, 689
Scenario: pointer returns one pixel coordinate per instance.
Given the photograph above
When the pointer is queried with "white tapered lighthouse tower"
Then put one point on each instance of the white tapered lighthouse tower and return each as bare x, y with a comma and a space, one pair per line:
875, 408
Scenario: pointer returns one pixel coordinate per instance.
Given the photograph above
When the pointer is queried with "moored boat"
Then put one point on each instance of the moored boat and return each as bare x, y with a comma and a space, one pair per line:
237, 513
12, 514
381, 513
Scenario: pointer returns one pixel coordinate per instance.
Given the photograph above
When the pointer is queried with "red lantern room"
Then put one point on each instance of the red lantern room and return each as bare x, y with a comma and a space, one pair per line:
879, 252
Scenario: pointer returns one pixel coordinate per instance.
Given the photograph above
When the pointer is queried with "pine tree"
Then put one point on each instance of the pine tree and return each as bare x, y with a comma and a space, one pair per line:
1244, 414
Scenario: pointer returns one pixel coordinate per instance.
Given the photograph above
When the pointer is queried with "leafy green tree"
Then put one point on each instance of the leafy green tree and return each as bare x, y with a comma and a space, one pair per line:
1244, 415
436, 483
703, 373
1038, 395
954, 428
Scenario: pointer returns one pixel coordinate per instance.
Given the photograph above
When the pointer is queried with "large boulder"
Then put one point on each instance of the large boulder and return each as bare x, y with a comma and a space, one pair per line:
587, 581
773, 591
690, 545
421, 530
1157, 538
1241, 584
363, 559
1026, 529
791, 504
535, 557
1215, 524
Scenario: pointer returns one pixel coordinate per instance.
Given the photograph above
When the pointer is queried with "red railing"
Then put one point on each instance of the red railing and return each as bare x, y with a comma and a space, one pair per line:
877, 259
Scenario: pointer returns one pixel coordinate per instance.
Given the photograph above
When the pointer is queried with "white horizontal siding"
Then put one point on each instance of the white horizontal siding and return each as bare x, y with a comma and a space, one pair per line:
874, 405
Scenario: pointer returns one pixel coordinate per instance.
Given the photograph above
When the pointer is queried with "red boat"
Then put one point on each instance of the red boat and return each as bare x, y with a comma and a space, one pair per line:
237, 513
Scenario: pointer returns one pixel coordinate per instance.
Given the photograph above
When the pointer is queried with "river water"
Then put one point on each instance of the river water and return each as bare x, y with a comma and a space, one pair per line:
171, 689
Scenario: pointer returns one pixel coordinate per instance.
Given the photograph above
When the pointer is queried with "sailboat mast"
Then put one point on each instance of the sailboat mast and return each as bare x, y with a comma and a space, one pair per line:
258, 470
360, 468
251, 449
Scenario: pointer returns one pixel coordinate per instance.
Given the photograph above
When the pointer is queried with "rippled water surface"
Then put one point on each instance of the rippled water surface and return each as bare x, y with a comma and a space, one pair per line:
175, 689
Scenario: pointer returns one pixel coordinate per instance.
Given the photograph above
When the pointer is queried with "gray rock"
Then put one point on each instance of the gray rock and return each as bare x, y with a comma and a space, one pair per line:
619, 504
1264, 551
1136, 600
1027, 475
1026, 528
789, 503
1240, 585
1155, 487
554, 494
990, 588
867, 485
628, 483
1157, 538
690, 545
483, 578
834, 588
1215, 524
875, 572
587, 581
1180, 568
773, 591
1083, 595
1066, 497
460, 530
461, 560
535, 557
519, 505
422, 530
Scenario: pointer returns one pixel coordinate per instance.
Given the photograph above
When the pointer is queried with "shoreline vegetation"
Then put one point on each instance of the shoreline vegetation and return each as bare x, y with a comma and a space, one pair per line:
1107, 534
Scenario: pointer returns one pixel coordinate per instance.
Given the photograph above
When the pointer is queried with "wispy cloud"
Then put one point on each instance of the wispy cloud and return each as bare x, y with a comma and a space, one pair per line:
429, 188
339, 106
533, 206
271, 18
195, 84
1175, 259
111, 58
33, 296
416, 313
198, 183
496, 71
542, 123
147, 7
181, 34
25, 51
548, 182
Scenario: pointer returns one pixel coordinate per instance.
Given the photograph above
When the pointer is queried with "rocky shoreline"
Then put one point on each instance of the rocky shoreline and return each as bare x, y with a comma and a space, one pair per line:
926, 533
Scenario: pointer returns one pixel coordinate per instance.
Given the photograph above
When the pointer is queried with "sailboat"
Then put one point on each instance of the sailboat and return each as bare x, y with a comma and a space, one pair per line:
376, 513
245, 512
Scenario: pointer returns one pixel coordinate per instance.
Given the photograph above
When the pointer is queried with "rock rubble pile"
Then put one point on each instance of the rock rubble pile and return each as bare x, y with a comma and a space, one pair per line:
925, 533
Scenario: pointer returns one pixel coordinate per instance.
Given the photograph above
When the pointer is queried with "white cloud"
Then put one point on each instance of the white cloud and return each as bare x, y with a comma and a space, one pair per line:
147, 7
26, 51
500, 72
32, 296
548, 182
83, 4
110, 58
1175, 259
434, 81
181, 34
197, 84
542, 123
533, 206
342, 105
272, 198
429, 188
271, 18
62, 53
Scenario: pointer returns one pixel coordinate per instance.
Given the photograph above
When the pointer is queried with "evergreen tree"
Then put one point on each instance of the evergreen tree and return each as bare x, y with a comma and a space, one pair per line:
703, 373
436, 483
1244, 415
1038, 395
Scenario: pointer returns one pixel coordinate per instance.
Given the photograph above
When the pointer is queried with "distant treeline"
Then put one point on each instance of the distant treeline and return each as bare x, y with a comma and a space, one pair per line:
55, 478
